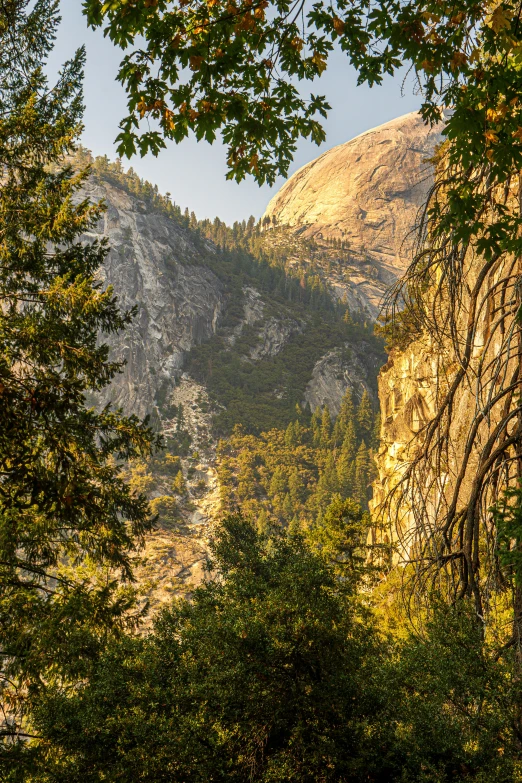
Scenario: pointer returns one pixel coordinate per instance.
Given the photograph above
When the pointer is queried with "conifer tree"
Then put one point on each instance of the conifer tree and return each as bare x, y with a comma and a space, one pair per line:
287, 508
365, 417
316, 426
296, 488
362, 475
290, 440
376, 434
278, 483
326, 427
346, 460
327, 484
346, 416
68, 523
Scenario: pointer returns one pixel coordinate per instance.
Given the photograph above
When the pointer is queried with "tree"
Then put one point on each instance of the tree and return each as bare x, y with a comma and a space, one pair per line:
316, 426
326, 428
344, 419
264, 675
69, 525
234, 67
339, 535
362, 475
365, 417
346, 460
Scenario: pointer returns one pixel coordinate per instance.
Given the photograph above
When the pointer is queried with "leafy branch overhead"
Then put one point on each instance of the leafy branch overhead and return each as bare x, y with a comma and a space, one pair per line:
234, 67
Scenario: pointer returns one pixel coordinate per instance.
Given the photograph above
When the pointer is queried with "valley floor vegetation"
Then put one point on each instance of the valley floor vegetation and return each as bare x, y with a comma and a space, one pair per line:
296, 659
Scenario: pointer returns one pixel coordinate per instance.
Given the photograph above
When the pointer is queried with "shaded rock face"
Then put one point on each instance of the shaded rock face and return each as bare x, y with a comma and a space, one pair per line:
339, 370
366, 193
153, 265
273, 336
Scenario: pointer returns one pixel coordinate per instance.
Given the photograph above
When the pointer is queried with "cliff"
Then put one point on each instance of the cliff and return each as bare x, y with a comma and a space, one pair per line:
449, 395
155, 265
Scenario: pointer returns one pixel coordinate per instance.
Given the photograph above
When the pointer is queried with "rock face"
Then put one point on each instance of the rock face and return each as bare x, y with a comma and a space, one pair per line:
365, 193
273, 336
154, 265
449, 403
338, 370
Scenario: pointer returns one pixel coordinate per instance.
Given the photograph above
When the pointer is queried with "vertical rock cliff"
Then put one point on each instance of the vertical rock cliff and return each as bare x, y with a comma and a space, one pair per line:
450, 402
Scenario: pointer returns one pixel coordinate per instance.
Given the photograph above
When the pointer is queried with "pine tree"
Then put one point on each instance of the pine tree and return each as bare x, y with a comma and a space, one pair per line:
376, 434
278, 483
290, 439
287, 508
328, 484
346, 416
296, 487
316, 426
69, 524
365, 417
346, 460
362, 475
326, 428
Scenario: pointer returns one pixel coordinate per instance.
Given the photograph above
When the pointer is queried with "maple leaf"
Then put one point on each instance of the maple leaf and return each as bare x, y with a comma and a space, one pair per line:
319, 61
499, 19
169, 119
338, 25
195, 62
142, 107
428, 66
459, 59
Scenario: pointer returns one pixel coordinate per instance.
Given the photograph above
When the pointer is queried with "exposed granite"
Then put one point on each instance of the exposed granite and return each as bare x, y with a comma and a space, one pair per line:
366, 192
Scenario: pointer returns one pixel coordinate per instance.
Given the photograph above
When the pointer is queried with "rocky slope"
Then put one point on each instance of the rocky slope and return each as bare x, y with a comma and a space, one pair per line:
365, 194
189, 298
155, 265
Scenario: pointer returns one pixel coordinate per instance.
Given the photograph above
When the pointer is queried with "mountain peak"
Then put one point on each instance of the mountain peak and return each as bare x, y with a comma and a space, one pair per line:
366, 193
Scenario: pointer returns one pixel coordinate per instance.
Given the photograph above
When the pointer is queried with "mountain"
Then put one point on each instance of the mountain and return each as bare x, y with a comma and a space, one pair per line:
242, 332
362, 196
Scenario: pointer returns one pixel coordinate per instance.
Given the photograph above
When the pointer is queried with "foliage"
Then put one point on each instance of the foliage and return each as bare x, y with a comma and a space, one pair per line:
69, 525
292, 476
453, 708
508, 516
260, 676
275, 672
235, 67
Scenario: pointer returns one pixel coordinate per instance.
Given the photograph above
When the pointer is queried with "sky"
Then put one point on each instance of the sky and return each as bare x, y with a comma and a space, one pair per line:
194, 173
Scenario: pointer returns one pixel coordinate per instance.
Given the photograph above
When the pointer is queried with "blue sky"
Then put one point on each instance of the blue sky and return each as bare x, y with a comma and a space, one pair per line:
195, 173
